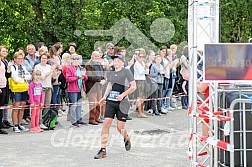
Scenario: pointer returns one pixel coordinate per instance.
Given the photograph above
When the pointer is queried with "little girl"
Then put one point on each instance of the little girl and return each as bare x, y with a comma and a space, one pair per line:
36, 99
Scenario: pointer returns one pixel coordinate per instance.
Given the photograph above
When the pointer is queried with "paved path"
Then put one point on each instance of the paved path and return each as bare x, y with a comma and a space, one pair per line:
156, 141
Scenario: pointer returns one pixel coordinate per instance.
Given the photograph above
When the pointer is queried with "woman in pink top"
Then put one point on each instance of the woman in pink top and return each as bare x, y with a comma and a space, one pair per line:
36, 99
75, 76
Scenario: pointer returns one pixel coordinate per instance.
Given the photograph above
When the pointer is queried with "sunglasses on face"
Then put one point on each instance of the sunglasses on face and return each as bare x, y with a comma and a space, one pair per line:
75, 58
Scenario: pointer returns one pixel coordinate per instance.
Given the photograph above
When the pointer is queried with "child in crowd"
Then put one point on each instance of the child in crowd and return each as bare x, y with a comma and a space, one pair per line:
36, 99
157, 72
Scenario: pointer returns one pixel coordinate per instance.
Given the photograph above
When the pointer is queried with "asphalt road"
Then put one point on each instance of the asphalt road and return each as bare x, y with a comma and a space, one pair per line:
156, 141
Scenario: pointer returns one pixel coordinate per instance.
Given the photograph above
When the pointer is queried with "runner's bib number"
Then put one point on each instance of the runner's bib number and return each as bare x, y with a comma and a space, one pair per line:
37, 91
113, 95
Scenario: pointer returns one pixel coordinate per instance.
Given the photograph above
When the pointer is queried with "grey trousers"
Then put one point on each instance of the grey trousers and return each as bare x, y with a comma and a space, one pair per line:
157, 104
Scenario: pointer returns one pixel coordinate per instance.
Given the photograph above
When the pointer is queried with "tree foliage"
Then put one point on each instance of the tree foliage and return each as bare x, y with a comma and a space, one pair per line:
236, 20
32, 21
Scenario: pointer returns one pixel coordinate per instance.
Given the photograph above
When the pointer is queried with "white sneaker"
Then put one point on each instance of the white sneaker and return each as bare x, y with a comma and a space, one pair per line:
150, 111
16, 130
164, 110
24, 122
61, 113
22, 128
42, 126
171, 109
64, 113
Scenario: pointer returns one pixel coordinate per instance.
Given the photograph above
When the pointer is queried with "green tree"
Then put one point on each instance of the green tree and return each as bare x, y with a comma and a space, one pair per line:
236, 21
32, 21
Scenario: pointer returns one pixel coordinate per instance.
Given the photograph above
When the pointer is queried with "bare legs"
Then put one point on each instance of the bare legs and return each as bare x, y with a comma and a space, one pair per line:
105, 130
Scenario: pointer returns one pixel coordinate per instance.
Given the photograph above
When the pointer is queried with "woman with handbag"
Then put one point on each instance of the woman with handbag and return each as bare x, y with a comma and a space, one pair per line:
19, 88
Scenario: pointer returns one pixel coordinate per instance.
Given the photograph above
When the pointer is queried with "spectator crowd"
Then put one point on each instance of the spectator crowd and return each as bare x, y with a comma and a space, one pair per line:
35, 79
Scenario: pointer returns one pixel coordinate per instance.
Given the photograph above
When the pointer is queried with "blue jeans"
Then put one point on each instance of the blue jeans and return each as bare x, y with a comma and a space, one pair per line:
165, 93
168, 92
75, 109
56, 99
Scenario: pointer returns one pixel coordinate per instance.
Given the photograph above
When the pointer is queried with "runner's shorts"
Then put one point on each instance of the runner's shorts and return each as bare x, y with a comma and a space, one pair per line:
118, 109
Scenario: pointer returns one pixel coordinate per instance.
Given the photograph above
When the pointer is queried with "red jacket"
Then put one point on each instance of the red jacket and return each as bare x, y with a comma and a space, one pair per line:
72, 79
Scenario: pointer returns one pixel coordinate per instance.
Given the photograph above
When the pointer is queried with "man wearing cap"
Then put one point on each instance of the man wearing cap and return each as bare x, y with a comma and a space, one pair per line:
110, 51
120, 83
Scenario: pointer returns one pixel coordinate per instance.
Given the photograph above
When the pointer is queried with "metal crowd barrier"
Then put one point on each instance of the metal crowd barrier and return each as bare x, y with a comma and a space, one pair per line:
245, 134
240, 109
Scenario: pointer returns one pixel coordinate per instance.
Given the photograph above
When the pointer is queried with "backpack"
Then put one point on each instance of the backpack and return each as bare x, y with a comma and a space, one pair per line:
62, 81
50, 118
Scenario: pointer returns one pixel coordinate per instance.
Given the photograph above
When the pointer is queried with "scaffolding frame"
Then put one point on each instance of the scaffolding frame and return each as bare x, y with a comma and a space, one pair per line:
203, 27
